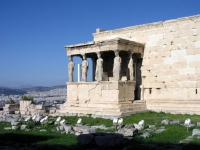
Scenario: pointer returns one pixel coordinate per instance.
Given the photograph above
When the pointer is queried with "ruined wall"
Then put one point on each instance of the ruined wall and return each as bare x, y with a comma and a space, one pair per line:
171, 62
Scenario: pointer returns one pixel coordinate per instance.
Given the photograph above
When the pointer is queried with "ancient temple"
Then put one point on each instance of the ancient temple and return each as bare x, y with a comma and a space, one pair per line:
147, 67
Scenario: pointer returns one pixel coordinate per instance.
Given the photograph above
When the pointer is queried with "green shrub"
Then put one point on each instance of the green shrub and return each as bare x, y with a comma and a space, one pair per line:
27, 98
11, 101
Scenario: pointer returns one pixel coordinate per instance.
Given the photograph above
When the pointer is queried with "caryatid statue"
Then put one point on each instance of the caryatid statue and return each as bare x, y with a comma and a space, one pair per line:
130, 68
117, 66
84, 68
99, 68
71, 69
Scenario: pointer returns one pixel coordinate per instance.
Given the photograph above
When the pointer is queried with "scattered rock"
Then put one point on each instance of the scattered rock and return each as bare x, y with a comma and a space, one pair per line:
128, 132
195, 132
43, 130
165, 122
7, 128
145, 135
175, 122
23, 127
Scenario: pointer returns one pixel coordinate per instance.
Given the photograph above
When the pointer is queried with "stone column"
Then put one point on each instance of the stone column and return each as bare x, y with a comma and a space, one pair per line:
71, 69
131, 67
117, 66
84, 68
99, 68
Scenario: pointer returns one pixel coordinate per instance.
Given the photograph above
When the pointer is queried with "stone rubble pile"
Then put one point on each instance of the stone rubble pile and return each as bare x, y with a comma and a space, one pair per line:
87, 135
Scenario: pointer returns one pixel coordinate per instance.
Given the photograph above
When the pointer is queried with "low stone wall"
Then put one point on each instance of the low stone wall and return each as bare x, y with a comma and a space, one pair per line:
11, 108
103, 98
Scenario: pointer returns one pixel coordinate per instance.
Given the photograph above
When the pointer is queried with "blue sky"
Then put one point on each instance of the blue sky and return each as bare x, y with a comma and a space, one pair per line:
33, 33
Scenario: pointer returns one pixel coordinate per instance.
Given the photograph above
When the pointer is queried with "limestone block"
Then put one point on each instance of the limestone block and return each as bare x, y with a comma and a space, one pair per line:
110, 95
179, 40
83, 94
193, 51
197, 44
174, 28
72, 92
95, 92
166, 29
186, 32
163, 94
176, 78
193, 93
194, 64
197, 70
193, 25
150, 79
171, 60
157, 61
38, 107
164, 54
171, 72
129, 91
171, 35
24, 104
179, 65
179, 93
171, 84
177, 53
191, 58
41, 111
146, 62
122, 89
146, 73
165, 78
190, 38
164, 42
186, 71
183, 26
111, 79
171, 47
195, 77
157, 85
113, 86
187, 84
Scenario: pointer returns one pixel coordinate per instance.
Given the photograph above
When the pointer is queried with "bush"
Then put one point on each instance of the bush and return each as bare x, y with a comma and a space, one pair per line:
11, 101
27, 98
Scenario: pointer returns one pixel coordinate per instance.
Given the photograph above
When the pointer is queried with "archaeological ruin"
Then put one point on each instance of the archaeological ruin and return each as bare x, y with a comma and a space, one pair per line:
153, 66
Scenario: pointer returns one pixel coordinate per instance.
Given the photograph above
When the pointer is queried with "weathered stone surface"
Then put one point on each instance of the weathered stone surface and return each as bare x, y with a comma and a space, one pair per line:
128, 132
175, 122
195, 132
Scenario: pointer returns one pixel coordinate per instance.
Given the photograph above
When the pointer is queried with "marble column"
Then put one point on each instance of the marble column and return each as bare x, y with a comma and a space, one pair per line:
117, 66
71, 69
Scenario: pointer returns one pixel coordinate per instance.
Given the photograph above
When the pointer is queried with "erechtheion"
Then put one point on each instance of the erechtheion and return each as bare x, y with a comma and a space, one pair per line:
153, 66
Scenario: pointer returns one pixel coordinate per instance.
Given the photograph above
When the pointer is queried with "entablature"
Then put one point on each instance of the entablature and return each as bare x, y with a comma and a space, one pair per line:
117, 44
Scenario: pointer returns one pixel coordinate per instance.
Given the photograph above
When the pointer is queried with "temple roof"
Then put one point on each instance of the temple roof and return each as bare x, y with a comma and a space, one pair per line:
106, 45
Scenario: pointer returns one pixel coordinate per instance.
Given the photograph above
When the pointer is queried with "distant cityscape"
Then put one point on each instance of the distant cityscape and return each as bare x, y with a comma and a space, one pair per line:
48, 96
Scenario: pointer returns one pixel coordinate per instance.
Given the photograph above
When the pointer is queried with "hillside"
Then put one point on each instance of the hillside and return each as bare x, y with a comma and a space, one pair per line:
8, 91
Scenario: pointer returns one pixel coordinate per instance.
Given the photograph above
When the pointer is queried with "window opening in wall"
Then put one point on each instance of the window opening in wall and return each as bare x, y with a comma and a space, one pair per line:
196, 91
150, 90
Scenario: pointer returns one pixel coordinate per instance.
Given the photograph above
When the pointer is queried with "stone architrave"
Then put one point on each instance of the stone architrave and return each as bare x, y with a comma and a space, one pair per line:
130, 68
117, 66
71, 69
99, 68
84, 68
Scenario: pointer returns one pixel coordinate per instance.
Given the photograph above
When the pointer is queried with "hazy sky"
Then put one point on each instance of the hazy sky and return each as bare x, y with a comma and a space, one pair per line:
33, 33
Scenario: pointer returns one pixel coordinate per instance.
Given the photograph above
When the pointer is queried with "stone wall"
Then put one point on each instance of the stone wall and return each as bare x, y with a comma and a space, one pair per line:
171, 62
